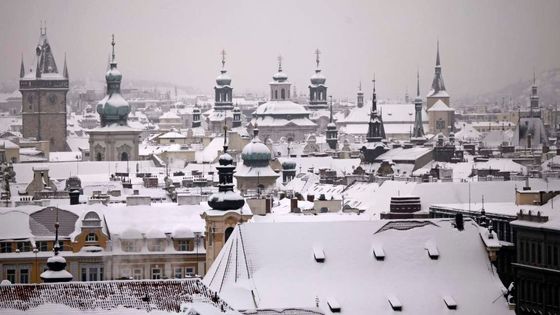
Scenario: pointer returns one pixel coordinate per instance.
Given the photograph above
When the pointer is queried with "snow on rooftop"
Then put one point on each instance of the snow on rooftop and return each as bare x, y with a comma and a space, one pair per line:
280, 283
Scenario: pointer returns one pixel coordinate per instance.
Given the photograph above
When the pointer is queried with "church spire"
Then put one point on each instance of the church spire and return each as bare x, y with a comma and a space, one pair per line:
223, 92
332, 132
22, 68
438, 64
65, 70
418, 131
317, 88
376, 130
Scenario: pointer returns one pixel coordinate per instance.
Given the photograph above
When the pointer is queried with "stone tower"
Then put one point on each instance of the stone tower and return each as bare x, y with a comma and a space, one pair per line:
114, 140
223, 90
43, 91
317, 88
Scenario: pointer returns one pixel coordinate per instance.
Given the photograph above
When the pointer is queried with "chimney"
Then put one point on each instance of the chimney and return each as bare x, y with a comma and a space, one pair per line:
74, 197
459, 223
293, 204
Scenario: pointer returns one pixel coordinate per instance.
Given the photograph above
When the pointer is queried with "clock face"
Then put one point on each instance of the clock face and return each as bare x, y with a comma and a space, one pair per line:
52, 99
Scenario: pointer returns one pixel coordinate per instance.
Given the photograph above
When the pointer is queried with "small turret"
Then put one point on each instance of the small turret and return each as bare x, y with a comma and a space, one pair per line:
56, 264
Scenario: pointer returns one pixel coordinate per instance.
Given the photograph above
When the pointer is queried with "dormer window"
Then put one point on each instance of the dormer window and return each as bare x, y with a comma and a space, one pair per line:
129, 246
91, 238
155, 245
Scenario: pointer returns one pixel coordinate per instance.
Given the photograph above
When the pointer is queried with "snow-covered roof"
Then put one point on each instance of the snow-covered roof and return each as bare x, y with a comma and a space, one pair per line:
440, 106
281, 108
263, 278
110, 297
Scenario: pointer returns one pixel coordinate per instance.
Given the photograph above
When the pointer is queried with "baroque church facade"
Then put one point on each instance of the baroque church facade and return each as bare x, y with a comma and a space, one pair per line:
114, 140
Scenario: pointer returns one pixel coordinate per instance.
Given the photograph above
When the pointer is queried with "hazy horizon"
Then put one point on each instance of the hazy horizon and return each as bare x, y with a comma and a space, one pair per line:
484, 45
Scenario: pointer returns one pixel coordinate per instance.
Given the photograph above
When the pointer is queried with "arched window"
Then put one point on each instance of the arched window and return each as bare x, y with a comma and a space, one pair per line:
276, 94
283, 93
91, 237
124, 156
227, 233
98, 157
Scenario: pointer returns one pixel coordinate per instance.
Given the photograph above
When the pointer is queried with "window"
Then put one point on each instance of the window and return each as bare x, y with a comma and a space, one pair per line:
91, 273
11, 275
124, 156
5, 247
283, 94
98, 157
189, 271
178, 273
156, 273
155, 245
137, 273
128, 246
24, 246
91, 237
183, 245
276, 94
24, 276
42, 246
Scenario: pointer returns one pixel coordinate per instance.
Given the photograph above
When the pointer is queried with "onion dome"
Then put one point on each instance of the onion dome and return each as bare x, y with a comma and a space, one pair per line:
256, 153
113, 109
223, 78
318, 78
280, 76
236, 110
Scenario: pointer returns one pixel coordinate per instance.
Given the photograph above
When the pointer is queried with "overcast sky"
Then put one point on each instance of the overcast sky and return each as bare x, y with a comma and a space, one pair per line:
484, 45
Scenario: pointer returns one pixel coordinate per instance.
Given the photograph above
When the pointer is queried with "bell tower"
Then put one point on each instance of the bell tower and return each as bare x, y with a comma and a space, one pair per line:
43, 90
317, 88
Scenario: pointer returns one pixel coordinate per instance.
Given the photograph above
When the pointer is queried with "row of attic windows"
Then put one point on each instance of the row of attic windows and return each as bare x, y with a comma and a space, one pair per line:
157, 245
25, 246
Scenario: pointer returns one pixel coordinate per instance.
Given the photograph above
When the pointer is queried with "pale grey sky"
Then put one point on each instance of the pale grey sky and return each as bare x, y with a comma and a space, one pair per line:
484, 44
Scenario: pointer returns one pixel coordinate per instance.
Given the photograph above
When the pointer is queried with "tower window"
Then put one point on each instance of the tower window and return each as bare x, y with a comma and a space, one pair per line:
91, 237
124, 156
283, 93
98, 157
276, 94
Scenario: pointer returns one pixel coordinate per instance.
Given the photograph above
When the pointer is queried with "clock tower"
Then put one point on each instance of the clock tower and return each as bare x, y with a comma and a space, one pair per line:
43, 89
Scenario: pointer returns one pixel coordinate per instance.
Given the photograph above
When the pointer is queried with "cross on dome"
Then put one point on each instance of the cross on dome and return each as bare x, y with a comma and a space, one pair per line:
280, 63
113, 44
223, 53
317, 53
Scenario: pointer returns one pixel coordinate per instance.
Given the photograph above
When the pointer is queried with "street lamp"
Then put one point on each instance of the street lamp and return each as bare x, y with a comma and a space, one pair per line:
36, 251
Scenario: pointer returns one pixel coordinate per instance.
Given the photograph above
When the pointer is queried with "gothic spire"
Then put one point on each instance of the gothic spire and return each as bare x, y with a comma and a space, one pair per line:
417, 83
22, 68
65, 70
438, 64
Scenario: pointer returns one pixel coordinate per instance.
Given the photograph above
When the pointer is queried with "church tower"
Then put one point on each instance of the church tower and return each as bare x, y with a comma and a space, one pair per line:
280, 86
223, 90
360, 100
236, 122
114, 140
418, 132
317, 88
196, 117
226, 208
376, 131
332, 132
535, 109
438, 91
43, 91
